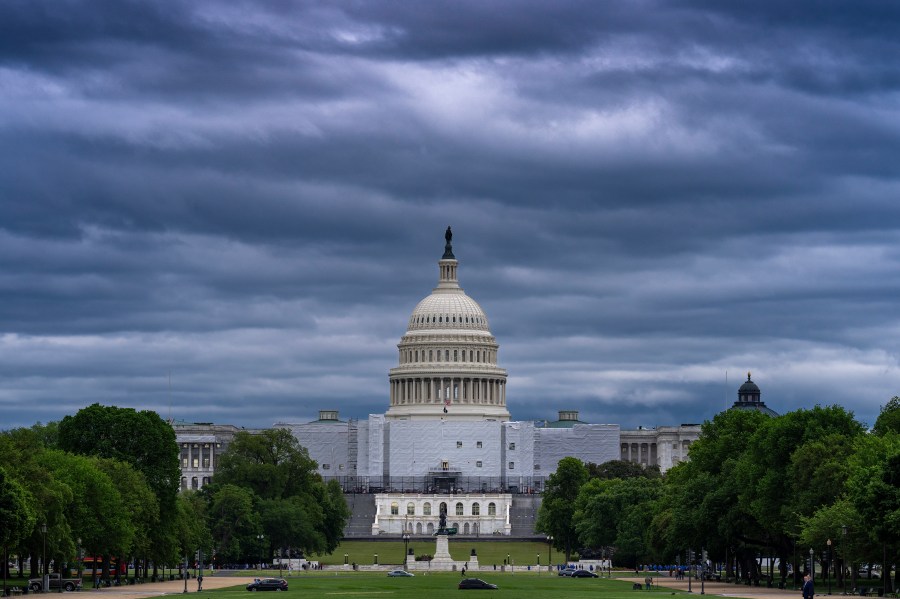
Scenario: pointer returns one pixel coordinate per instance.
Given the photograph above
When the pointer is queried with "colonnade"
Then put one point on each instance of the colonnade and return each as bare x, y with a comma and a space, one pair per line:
459, 390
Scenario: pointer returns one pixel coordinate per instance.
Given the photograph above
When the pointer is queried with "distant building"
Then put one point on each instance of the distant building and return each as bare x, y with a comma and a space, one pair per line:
749, 399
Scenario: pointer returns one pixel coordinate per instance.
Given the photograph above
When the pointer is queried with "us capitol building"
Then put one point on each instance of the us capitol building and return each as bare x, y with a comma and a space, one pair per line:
447, 439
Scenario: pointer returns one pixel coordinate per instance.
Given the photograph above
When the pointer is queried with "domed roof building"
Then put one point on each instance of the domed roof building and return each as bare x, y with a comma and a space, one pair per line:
448, 357
749, 399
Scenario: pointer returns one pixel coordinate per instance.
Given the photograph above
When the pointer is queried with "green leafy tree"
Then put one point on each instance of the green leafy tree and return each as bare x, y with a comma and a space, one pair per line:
141, 439
234, 521
889, 418
874, 489
272, 464
96, 512
141, 505
17, 517
617, 512
781, 480
621, 469
556, 516
191, 528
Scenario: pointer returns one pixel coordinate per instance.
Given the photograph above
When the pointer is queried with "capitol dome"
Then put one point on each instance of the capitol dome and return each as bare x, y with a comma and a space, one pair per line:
448, 357
453, 311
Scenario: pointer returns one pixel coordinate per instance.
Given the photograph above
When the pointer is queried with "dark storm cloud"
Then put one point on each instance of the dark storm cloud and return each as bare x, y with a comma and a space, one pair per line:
248, 200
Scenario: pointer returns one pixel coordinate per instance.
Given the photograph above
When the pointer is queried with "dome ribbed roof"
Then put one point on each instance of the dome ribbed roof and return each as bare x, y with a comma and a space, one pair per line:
448, 309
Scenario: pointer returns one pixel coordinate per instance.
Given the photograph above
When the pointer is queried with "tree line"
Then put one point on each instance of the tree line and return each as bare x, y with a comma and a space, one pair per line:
105, 483
754, 486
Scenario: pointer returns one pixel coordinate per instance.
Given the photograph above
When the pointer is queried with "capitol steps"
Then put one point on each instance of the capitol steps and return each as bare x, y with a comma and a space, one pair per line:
523, 515
362, 514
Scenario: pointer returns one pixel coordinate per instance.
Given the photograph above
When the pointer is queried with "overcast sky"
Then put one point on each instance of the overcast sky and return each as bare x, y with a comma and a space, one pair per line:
226, 212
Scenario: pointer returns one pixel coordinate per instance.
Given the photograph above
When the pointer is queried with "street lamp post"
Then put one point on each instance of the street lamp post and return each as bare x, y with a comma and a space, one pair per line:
185, 571
550, 549
812, 569
539, 563
843, 554
260, 539
830, 565
405, 548
45, 580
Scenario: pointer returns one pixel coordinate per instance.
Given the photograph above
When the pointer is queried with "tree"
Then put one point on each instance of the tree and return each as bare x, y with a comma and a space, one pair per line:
234, 521
16, 517
557, 511
140, 504
617, 512
272, 464
889, 418
621, 469
141, 439
95, 512
874, 489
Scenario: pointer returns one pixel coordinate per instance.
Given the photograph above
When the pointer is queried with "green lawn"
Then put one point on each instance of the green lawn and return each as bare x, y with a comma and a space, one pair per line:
489, 552
328, 585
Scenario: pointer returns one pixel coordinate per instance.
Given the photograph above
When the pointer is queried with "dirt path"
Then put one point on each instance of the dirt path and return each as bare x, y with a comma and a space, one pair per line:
156, 589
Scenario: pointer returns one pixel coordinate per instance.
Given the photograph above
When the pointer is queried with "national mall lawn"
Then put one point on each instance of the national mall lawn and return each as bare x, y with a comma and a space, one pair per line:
326, 584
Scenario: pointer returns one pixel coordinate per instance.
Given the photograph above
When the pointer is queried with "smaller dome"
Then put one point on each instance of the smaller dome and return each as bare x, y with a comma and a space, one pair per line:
749, 387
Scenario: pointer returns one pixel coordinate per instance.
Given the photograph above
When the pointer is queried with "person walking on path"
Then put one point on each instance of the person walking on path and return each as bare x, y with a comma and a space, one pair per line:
808, 590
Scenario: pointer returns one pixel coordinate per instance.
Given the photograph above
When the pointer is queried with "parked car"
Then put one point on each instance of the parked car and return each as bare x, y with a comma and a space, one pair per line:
863, 572
475, 583
582, 574
400, 573
268, 584
36, 585
565, 572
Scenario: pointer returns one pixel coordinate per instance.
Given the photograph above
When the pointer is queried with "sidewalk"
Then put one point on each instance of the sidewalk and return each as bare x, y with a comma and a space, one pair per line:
720, 588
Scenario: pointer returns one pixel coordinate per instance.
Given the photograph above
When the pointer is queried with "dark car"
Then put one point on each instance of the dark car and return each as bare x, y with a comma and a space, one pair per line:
268, 584
475, 583
582, 574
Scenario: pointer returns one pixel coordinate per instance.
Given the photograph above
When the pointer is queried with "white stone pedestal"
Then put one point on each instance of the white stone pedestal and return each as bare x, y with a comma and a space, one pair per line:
442, 559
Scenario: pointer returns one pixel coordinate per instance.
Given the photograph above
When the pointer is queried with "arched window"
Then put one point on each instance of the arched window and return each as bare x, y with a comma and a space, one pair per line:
456, 355
410, 509
443, 507
459, 509
466, 528
184, 482
418, 528
492, 509
426, 509
430, 528
194, 483
395, 508
476, 509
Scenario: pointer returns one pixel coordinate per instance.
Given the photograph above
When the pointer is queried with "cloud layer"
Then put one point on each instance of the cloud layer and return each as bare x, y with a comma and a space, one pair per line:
227, 211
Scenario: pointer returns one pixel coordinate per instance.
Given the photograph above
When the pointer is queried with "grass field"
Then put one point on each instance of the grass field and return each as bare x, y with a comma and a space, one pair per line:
351, 585
489, 552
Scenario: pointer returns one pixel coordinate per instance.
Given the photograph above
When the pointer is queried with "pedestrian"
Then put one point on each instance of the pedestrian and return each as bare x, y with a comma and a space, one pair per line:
199, 583
648, 581
808, 590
